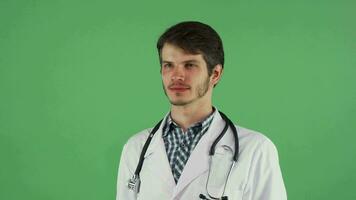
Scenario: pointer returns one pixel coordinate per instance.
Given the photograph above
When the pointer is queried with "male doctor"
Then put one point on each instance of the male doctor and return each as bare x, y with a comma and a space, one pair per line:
176, 164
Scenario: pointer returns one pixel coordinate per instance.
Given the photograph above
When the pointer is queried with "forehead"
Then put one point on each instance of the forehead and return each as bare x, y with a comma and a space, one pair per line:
172, 53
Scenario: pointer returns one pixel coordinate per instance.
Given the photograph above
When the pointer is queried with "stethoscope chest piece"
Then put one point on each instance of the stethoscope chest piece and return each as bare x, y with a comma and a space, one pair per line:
134, 184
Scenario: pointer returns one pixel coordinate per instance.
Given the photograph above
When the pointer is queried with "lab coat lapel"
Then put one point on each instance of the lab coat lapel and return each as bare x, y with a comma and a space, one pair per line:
156, 160
198, 162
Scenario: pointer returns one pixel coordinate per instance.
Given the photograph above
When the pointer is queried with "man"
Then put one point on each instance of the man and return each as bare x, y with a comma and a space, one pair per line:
175, 163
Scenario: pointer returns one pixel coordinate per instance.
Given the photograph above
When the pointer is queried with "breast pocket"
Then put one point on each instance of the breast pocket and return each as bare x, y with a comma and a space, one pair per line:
220, 166
222, 177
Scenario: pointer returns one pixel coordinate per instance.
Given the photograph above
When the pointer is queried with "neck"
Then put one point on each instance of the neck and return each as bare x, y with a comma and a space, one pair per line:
187, 115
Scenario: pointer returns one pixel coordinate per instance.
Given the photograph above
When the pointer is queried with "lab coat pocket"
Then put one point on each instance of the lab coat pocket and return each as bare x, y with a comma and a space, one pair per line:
220, 167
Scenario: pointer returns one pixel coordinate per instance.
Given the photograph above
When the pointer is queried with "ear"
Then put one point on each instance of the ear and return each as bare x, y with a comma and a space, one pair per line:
216, 74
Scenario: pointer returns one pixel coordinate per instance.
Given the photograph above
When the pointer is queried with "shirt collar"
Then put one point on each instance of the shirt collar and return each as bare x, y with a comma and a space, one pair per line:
172, 124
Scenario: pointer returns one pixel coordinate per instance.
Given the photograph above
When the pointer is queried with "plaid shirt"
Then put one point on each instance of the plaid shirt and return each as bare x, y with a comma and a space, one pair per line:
179, 145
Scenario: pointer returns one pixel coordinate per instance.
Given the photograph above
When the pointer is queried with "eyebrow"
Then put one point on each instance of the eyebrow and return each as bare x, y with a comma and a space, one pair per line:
186, 61
191, 61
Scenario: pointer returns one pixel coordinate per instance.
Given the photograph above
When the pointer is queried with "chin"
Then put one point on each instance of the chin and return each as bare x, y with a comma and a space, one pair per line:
180, 102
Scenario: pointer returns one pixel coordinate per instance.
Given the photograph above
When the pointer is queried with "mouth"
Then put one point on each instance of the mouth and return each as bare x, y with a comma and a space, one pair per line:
178, 88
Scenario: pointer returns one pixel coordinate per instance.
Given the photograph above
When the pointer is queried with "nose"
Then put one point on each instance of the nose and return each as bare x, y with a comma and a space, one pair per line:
178, 74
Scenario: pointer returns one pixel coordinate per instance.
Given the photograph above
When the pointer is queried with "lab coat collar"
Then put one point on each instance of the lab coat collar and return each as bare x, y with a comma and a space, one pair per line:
217, 124
157, 138
156, 151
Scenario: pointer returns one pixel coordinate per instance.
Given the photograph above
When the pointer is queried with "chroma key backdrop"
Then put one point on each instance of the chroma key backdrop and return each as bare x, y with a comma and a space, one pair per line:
78, 78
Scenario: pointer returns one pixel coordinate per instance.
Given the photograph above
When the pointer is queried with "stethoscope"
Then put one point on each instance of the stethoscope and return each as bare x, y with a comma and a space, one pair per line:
134, 182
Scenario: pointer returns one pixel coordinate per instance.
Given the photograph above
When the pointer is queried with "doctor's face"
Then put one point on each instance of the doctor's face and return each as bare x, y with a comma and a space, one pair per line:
184, 76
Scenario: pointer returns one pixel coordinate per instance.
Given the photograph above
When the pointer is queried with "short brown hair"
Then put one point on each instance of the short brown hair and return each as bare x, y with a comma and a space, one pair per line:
195, 38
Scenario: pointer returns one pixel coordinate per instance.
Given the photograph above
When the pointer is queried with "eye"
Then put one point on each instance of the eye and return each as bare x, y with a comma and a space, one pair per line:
167, 65
189, 65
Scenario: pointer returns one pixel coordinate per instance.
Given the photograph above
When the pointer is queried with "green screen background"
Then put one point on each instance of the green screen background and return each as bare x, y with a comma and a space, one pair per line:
78, 78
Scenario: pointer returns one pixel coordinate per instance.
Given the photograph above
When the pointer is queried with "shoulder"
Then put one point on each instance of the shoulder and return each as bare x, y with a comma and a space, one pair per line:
136, 142
253, 141
132, 149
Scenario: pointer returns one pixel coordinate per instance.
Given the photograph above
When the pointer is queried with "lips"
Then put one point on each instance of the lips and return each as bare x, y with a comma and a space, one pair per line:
178, 88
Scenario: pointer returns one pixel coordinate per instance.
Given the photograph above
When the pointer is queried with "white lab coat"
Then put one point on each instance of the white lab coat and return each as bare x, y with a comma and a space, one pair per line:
256, 175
